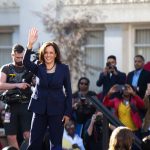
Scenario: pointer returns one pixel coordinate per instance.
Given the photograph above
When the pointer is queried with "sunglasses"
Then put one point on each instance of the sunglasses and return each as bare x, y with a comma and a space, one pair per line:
70, 126
83, 83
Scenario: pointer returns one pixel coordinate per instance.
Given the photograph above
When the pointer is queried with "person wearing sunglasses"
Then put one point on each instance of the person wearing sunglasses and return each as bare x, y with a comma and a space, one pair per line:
71, 140
83, 90
82, 108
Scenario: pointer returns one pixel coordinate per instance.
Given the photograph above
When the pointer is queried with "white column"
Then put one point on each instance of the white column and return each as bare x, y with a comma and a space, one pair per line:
113, 43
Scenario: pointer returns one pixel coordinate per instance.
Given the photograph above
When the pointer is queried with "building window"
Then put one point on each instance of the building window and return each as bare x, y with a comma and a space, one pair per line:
142, 43
94, 50
5, 47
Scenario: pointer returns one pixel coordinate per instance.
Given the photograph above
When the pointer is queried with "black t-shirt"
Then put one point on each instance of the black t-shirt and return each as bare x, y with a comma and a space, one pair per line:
18, 75
14, 74
6, 68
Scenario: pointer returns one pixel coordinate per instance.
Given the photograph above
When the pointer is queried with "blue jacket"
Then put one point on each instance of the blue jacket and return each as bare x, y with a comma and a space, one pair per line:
49, 97
144, 79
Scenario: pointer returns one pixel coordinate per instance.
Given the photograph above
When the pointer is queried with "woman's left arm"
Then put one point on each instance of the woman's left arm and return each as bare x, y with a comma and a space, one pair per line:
68, 92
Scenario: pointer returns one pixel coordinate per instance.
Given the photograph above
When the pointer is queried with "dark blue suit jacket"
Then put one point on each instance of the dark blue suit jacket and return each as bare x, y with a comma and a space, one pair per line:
107, 82
144, 78
49, 97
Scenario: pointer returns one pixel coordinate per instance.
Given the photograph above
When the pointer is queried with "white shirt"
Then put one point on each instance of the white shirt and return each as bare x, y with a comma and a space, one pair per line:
68, 141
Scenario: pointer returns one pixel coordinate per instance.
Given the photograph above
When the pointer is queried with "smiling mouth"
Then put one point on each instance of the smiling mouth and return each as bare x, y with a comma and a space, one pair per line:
48, 59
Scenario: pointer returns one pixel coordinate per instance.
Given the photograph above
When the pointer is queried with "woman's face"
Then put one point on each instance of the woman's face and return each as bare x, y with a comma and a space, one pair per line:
70, 128
49, 55
126, 91
18, 58
83, 85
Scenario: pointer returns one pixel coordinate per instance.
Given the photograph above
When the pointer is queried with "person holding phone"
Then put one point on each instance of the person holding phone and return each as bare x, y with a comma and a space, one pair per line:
82, 108
110, 76
126, 107
94, 132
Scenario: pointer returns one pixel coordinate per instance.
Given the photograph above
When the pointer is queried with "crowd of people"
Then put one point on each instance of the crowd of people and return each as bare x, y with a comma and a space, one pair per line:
42, 112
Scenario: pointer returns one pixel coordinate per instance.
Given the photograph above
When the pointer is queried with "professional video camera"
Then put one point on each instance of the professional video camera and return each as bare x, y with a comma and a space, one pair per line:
14, 96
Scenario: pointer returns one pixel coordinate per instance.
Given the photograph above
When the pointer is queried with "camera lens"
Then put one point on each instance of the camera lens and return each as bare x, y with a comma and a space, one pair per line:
98, 120
109, 65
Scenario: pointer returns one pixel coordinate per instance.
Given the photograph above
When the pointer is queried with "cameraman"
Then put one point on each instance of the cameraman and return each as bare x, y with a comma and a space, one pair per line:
110, 76
14, 78
93, 132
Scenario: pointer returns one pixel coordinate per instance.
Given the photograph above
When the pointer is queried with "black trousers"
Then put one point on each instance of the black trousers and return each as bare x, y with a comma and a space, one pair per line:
39, 127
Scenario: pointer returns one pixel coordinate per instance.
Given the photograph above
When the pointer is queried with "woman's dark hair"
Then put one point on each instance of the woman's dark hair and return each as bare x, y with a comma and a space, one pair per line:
43, 48
121, 139
83, 78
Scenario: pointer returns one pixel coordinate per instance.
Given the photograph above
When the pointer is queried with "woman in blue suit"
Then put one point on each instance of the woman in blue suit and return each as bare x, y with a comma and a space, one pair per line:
51, 106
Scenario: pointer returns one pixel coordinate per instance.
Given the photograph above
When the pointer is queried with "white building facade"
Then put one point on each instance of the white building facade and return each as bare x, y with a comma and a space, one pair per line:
123, 29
